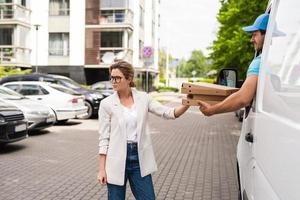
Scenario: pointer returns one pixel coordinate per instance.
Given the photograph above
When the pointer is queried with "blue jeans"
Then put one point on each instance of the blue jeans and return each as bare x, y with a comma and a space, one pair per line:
141, 187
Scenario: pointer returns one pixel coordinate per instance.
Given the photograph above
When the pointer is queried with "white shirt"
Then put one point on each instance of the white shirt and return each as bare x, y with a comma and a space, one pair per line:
130, 118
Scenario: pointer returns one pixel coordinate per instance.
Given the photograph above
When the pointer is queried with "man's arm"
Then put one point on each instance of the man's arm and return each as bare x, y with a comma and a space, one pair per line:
237, 100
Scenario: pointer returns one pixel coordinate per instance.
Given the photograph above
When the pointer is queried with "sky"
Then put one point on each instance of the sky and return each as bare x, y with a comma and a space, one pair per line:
188, 25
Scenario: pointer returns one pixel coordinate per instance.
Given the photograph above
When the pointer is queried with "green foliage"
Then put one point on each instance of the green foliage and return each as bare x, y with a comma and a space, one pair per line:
6, 71
162, 62
205, 80
163, 81
208, 80
167, 89
232, 48
197, 62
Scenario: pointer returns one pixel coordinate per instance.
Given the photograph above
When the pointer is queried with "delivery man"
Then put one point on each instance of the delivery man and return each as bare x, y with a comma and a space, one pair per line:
245, 95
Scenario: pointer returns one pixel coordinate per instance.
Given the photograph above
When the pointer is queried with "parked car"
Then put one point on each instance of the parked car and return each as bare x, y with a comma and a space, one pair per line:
13, 126
66, 103
39, 116
92, 97
104, 87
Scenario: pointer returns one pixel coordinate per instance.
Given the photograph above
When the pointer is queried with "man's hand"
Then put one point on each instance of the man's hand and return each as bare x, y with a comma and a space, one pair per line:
205, 108
102, 178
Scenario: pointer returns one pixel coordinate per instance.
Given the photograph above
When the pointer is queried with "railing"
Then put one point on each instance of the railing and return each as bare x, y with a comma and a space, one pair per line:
116, 54
59, 12
116, 17
14, 55
59, 52
10, 11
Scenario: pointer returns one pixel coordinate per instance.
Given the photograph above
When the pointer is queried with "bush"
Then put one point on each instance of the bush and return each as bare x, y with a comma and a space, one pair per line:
167, 89
162, 80
208, 80
7, 71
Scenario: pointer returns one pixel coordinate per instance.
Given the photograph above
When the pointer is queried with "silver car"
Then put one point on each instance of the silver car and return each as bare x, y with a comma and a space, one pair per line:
104, 87
39, 116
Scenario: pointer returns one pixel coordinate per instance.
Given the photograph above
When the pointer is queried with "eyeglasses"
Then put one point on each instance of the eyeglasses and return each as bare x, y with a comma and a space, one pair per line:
116, 79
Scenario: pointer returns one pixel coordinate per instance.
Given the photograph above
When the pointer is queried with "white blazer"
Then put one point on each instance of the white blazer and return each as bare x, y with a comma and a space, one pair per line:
113, 136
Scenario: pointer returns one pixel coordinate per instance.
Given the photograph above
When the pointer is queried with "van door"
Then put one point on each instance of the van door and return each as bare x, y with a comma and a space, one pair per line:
276, 126
245, 154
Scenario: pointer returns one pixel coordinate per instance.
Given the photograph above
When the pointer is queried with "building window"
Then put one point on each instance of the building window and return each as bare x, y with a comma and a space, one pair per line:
111, 39
6, 1
141, 46
112, 16
113, 4
153, 29
6, 36
58, 44
59, 7
23, 3
141, 17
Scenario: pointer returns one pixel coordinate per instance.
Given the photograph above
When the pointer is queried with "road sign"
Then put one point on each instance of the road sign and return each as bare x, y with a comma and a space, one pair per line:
147, 52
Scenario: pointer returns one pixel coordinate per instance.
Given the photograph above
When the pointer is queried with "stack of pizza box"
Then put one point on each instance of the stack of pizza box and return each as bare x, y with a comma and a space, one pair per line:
207, 92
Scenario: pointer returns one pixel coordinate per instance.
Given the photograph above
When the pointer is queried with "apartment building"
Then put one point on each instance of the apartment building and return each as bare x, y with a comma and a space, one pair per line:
122, 29
15, 28
81, 38
59, 40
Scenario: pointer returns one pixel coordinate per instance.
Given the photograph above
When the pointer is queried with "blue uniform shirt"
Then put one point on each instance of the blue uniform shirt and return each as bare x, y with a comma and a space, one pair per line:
254, 66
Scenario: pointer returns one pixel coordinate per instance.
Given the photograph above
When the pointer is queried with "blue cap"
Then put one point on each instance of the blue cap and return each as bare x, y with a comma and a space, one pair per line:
260, 23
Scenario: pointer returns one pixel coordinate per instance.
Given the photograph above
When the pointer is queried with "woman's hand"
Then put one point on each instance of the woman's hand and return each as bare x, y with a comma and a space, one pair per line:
180, 110
102, 178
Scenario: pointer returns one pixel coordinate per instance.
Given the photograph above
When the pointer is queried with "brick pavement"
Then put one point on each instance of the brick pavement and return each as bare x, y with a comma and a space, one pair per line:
195, 156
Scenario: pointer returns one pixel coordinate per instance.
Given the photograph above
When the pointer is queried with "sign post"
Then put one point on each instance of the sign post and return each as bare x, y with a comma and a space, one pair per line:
147, 54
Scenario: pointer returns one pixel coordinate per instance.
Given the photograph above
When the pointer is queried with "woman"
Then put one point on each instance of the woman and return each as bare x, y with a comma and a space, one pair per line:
125, 146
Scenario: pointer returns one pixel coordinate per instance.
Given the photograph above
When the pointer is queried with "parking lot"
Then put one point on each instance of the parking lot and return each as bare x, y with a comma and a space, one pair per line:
195, 156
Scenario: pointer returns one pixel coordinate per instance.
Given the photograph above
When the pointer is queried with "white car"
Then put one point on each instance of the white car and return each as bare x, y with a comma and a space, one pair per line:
39, 116
66, 103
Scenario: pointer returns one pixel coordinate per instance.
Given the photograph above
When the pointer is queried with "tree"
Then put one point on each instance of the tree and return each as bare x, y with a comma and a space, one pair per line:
232, 48
197, 62
162, 63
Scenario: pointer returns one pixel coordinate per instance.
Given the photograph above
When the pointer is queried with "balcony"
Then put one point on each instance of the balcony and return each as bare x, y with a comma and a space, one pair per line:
114, 19
14, 56
108, 55
11, 13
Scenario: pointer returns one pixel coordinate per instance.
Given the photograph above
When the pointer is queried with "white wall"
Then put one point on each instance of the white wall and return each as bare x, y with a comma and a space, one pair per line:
77, 32
39, 15
148, 24
135, 34
151, 40
156, 33
75, 26
146, 33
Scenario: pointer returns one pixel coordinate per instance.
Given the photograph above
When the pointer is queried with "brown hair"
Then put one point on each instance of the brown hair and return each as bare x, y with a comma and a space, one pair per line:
126, 69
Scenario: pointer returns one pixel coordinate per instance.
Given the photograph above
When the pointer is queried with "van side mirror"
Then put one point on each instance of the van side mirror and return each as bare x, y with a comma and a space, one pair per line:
227, 77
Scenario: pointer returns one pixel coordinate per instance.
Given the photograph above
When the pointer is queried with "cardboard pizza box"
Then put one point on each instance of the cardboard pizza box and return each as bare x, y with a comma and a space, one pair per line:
193, 102
207, 89
204, 97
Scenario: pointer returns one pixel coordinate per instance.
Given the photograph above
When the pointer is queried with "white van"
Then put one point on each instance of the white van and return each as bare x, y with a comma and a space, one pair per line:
269, 145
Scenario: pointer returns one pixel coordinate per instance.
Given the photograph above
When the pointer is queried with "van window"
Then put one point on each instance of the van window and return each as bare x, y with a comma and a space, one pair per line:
282, 66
